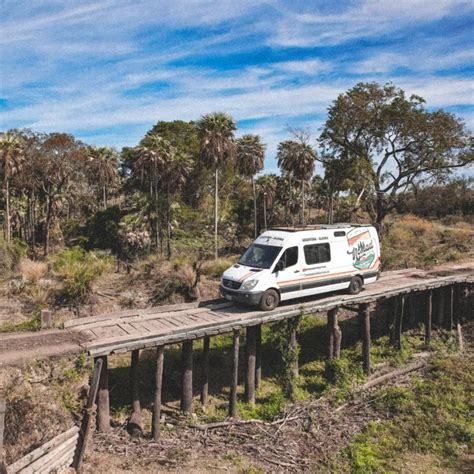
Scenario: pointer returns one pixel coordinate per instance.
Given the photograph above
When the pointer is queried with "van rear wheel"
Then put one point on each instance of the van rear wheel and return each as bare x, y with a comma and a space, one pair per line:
269, 300
355, 286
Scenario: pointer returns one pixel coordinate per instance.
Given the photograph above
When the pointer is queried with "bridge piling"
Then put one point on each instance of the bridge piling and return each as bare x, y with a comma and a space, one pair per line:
441, 303
187, 377
135, 420
293, 348
160, 350
335, 334
251, 349
393, 321
364, 325
451, 308
235, 374
205, 371
429, 317
103, 404
399, 322
258, 357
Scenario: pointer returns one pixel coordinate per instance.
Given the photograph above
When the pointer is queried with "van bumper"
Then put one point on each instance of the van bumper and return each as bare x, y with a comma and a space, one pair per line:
248, 297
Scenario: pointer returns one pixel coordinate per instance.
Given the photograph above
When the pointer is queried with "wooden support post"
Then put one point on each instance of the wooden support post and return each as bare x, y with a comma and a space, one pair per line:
399, 323
155, 422
293, 350
3, 408
235, 374
429, 317
364, 325
451, 308
205, 371
46, 319
335, 335
187, 377
330, 327
103, 407
135, 420
85, 431
251, 349
457, 293
258, 358
441, 305
393, 322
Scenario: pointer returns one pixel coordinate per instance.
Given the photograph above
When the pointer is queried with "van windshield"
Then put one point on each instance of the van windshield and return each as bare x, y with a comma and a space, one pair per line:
260, 256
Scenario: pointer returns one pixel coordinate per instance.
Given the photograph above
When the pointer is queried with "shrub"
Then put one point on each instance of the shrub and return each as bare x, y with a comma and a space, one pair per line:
216, 268
32, 271
78, 269
11, 255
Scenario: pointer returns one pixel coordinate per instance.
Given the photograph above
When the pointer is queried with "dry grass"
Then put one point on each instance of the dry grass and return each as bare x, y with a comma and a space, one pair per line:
415, 242
31, 271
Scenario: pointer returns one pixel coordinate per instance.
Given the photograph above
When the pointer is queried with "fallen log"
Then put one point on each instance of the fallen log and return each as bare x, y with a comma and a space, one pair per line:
391, 375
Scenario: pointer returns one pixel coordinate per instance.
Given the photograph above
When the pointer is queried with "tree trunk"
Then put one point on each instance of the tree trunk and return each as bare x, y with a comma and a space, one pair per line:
7, 210
104, 197
216, 207
254, 206
49, 215
302, 207
265, 212
380, 217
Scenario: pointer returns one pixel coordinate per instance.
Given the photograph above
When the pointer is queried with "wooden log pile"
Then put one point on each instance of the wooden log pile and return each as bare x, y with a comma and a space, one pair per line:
55, 454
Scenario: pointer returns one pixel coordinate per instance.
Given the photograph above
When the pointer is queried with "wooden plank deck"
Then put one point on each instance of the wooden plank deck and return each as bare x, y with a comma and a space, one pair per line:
138, 329
141, 328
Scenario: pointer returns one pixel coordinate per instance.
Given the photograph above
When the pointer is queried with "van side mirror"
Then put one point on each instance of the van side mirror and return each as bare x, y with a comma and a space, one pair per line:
280, 266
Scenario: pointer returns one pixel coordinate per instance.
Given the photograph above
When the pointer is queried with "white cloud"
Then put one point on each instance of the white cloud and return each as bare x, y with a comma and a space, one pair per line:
360, 20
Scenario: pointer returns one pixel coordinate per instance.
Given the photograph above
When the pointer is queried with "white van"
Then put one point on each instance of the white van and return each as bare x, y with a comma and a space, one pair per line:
286, 263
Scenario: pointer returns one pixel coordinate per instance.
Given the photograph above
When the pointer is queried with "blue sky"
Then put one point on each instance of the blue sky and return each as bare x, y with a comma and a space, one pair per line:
107, 71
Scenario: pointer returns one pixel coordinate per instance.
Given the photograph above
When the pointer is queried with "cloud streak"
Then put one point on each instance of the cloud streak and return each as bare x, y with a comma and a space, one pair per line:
107, 71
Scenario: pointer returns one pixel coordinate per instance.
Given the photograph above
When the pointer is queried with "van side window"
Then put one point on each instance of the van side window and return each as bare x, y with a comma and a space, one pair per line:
317, 253
290, 257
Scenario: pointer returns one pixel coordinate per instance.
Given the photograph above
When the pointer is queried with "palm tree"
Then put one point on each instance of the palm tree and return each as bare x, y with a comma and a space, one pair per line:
103, 168
267, 189
217, 145
11, 156
178, 168
152, 157
297, 158
250, 157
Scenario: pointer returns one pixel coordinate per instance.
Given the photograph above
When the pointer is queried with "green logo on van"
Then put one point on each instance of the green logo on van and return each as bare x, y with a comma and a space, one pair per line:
363, 254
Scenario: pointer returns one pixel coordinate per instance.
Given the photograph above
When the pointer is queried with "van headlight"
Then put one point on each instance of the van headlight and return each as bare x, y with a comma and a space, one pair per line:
250, 285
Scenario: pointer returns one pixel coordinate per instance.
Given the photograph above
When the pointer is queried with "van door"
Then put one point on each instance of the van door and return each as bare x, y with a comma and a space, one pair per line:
288, 273
319, 273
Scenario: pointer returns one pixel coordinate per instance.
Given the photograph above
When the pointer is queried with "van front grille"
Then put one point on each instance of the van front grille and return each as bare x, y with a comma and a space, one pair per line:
234, 285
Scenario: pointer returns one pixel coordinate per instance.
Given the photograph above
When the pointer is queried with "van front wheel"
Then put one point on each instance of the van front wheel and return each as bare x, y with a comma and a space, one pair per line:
269, 300
355, 285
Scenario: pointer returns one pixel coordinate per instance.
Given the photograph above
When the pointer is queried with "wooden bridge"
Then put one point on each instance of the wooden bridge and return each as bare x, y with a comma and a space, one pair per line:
442, 290
157, 327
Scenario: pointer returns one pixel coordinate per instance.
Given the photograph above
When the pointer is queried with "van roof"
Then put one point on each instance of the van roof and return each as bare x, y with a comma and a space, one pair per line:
339, 225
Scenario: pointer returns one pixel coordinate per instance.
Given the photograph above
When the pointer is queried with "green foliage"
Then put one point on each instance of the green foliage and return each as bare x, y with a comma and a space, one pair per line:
289, 353
11, 255
78, 269
102, 230
432, 417
267, 408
